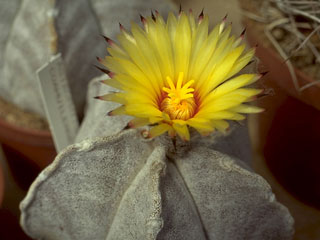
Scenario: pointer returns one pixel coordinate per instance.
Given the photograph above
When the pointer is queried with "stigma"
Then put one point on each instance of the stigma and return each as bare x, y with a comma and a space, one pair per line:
179, 102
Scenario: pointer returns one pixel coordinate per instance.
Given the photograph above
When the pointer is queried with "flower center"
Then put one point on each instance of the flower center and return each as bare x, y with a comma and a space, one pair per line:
179, 103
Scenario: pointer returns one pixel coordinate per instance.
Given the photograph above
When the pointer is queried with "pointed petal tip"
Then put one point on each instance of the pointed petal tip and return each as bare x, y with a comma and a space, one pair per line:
249, 63
99, 59
201, 15
143, 20
111, 74
225, 18
108, 40
262, 74
263, 93
243, 32
102, 69
130, 125
152, 16
126, 127
121, 27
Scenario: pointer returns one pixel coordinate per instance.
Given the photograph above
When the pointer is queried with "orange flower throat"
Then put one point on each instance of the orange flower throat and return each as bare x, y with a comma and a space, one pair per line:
180, 102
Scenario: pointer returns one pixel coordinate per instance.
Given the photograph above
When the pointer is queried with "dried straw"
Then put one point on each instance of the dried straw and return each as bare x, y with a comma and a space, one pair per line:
294, 17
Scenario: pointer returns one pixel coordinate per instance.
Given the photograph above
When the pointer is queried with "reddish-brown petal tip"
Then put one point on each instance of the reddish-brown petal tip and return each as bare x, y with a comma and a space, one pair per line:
109, 113
262, 74
225, 17
121, 27
143, 20
130, 125
97, 97
127, 127
152, 15
108, 40
111, 74
201, 15
180, 9
102, 69
99, 59
262, 94
243, 32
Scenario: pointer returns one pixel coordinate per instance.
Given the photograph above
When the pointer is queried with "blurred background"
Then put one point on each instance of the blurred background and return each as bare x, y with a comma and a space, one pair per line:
285, 138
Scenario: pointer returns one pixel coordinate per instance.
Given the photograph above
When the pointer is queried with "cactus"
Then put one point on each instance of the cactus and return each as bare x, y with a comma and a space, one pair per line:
144, 183
115, 184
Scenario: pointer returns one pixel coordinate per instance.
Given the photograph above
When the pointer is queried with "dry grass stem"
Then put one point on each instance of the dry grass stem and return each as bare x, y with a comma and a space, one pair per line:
300, 21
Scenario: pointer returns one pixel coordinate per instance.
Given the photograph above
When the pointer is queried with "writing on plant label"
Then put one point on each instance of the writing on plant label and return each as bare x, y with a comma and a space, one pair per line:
57, 101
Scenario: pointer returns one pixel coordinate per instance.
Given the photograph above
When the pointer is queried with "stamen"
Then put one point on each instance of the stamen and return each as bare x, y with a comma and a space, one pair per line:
179, 103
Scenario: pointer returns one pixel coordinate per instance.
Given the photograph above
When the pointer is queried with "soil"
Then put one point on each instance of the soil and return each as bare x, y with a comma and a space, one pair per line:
304, 59
14, 115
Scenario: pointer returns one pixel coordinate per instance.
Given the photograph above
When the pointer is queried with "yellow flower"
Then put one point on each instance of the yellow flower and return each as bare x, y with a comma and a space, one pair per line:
176, 74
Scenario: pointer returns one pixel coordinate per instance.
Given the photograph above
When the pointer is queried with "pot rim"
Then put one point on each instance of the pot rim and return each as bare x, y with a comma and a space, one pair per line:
14, 133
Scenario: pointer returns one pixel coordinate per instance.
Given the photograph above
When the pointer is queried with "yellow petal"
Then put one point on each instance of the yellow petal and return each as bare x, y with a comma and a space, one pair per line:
142, 110
201, 34
243, 108
138, 122
222, 70
182, 46
200, 124
230, 85
112, 83
201, 58
158, 130
118, 111
241, 62
227, 115
221, 125
159, 40
182, 131
114, 97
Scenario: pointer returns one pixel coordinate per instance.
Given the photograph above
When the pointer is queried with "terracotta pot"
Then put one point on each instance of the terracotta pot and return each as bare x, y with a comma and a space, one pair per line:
286, 141
27, 151
280, 74
286, 153
1, 185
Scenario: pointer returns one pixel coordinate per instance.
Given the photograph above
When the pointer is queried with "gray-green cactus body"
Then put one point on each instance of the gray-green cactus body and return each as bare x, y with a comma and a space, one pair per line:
8, 11
126, 187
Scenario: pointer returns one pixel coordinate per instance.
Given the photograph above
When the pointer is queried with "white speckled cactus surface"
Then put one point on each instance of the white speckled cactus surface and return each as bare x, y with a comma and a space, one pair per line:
122, 186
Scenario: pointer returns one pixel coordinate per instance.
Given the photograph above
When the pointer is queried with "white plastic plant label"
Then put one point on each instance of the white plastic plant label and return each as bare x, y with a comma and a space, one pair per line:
57, 100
